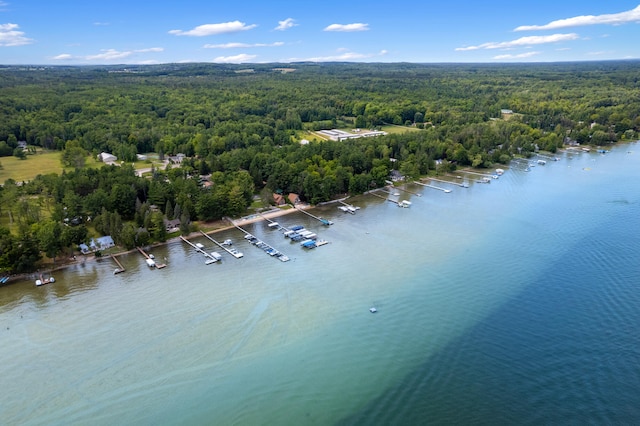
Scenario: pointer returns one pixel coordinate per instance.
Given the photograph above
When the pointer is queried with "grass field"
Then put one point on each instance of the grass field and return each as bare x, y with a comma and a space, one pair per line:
41, 163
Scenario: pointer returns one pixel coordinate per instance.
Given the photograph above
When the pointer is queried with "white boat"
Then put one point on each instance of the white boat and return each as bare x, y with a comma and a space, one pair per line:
542, 162
273, 225
150, 262
200, 246
343, 208
405, 204
373, 310
235, 253
227, 243
216, 255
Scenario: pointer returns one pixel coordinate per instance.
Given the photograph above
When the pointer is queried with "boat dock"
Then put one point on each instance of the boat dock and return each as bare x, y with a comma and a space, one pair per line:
232, 251
120, 268
262, 245
384, 198
407, 191
150, 261
484, 175
323, 221
461, 185
348, 208
210, 258
426, 185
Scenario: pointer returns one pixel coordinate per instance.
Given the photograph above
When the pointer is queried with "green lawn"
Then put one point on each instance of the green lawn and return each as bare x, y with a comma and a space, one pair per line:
42, 163
391, 128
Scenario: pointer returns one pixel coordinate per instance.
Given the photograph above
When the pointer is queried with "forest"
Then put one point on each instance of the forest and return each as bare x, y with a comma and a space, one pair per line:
239, 129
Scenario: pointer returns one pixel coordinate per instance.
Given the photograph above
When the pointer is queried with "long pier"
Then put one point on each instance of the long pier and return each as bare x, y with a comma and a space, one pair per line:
271, 251
323, 221
384, 198
487, 175
150, 261
462, 185
233, 252
120, 268
406, 190
210, 258
432, 186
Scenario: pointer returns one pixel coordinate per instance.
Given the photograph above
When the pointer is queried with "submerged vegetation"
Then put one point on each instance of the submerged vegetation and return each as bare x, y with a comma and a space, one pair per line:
222, 133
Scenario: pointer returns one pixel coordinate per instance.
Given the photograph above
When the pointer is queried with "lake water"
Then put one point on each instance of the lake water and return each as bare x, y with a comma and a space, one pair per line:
514, 302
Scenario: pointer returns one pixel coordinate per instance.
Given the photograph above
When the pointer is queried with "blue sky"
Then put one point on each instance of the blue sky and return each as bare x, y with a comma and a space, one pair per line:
72, 32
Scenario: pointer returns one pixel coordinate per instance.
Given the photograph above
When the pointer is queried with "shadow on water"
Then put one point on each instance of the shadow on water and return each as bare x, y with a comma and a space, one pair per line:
564, 350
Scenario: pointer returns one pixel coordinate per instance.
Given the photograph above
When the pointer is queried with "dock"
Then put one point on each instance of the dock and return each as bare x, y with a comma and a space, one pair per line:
120, 268
407, 191
384, 198
485, 175
262, 245
323, 221
150, 261
210, 258
426, 185
461, 185
232, 251
348, 208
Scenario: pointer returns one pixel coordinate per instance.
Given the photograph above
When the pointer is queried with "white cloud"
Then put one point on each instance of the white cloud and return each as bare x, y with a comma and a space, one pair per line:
111, 54
347, 27
151, 49
523, 41
518, 56
214, 29
242, 45
632, 15
343, 55
237, 59
286, 24
101, 24
62, 57
9, 36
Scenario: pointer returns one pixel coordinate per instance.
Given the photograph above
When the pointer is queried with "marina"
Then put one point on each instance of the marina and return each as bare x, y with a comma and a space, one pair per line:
263, 246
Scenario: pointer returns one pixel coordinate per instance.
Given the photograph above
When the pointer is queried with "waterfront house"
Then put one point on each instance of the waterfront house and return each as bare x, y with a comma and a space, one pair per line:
294, 198
279, 199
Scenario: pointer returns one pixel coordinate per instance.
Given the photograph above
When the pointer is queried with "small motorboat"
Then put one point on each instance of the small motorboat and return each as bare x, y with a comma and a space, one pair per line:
373, 310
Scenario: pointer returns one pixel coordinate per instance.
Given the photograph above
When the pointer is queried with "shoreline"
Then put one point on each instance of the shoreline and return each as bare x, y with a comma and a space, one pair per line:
222, 225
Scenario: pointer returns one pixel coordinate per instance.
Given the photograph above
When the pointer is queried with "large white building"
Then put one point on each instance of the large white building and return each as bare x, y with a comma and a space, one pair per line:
340, 135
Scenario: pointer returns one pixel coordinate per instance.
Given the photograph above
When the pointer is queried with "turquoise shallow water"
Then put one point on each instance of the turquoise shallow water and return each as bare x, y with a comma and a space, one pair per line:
515, 302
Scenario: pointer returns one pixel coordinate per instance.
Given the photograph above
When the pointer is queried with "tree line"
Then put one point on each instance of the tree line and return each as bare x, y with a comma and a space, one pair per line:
241, 129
